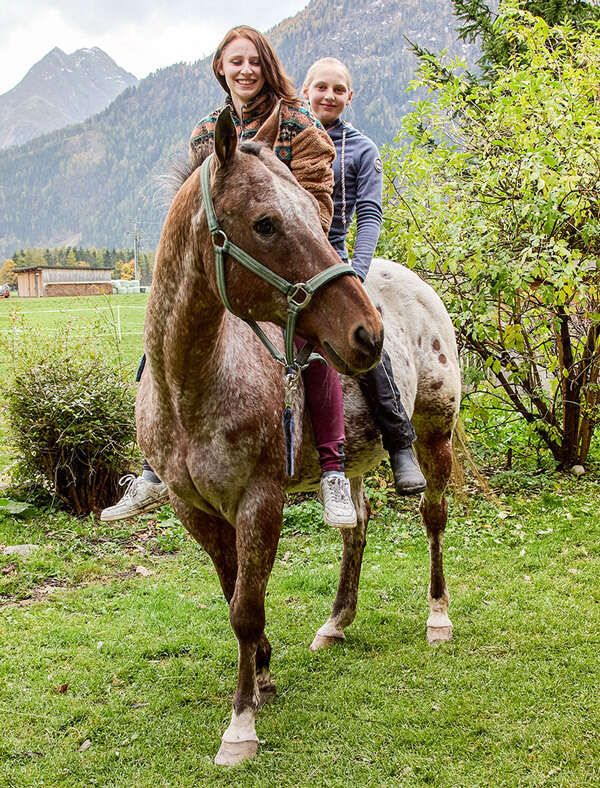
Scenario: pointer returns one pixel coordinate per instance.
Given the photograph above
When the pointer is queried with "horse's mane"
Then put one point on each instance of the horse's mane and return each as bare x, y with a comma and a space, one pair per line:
182, 168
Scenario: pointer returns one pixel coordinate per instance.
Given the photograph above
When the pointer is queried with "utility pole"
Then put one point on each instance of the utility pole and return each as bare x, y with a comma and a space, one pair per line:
136, 243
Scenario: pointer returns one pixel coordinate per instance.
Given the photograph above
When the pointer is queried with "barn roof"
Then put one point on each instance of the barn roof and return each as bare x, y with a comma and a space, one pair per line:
62, 268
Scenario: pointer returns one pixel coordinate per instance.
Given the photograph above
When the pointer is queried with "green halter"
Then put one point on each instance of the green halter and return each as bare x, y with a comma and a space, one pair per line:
298, 295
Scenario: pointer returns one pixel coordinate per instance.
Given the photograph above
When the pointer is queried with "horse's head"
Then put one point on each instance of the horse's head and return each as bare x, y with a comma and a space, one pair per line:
261, 208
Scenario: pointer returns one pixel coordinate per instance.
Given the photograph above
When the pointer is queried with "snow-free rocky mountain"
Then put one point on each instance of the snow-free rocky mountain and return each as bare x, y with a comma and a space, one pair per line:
89, 184
60, 90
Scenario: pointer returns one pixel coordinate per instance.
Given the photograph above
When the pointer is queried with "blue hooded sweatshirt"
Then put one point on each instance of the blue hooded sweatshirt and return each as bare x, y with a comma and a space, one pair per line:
359, 191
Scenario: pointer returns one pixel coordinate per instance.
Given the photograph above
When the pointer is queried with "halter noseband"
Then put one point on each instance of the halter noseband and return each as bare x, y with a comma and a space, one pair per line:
298, 294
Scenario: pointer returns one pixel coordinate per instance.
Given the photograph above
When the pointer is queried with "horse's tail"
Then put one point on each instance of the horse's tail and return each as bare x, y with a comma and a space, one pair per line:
463, 464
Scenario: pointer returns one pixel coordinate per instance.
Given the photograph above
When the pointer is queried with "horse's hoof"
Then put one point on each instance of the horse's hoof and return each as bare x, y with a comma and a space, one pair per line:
439, 634
231, 753
324, 641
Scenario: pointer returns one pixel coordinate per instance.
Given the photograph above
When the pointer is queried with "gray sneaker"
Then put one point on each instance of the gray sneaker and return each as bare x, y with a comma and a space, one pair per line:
338, 509
140, 496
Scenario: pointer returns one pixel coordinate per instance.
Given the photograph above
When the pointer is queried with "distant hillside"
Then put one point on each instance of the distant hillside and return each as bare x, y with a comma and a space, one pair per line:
60, 90
88, 184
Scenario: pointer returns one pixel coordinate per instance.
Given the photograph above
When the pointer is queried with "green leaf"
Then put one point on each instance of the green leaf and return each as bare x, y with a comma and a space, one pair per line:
13, 507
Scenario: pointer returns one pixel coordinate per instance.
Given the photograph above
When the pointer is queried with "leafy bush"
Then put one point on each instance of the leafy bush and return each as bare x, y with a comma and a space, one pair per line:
493, 192
70, 409
305, 517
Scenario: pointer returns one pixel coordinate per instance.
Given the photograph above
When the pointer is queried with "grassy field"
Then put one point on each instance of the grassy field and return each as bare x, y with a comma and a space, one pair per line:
102, 314
117, 661
117, 320
111, 677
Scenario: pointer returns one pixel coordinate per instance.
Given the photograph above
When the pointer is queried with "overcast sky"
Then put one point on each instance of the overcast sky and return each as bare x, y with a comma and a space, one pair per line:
140, 36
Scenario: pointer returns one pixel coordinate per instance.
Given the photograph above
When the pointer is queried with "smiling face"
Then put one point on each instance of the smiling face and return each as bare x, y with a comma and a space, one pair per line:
328, 92
241, 68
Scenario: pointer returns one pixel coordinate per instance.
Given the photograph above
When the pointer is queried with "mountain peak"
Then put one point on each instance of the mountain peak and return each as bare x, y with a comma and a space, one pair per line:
59, 90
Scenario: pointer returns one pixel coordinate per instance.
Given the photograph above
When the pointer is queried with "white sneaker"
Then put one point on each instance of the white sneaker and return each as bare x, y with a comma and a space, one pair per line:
140, 496
338, 509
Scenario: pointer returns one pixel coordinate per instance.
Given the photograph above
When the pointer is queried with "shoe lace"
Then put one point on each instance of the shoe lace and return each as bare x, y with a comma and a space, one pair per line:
130, 480
337, 488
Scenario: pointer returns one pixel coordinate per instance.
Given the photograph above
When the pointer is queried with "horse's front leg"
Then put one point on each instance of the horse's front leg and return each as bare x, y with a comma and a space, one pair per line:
344, 607
258, 525
435, 456
219, 540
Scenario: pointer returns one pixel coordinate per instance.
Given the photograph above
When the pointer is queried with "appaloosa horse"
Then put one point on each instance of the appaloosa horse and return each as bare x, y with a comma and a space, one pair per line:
210, 403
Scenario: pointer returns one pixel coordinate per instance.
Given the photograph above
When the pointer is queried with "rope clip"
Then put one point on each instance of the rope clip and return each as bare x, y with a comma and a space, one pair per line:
292, 376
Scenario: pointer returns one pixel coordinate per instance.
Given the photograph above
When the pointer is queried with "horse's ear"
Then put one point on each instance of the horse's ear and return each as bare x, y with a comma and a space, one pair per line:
269, 131
226, 138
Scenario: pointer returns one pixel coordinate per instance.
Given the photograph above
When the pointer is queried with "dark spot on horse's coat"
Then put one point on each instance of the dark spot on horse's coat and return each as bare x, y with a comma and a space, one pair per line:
420, 341
254, 148
436, 344
386, 275
437, 385
406, 361
442, 359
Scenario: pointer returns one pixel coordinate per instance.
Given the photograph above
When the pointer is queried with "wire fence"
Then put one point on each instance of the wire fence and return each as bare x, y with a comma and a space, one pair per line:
17, 320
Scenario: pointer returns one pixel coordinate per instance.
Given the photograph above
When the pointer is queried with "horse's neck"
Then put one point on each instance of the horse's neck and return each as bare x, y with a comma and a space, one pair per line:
185, 331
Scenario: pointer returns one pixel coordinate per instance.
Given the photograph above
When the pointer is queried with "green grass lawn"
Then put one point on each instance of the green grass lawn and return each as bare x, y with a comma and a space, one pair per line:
114, 678
102, 314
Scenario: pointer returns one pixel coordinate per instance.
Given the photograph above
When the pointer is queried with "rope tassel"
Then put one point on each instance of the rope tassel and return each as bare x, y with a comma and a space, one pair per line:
292, 376
288, 431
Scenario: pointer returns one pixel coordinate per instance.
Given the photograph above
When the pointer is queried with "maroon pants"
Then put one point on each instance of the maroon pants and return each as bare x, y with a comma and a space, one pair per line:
325, 403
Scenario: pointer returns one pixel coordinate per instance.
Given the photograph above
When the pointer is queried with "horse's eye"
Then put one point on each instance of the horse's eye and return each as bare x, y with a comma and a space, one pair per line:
264, 227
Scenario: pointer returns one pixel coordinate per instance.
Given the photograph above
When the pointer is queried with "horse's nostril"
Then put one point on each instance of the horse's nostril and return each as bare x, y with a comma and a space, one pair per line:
366, 340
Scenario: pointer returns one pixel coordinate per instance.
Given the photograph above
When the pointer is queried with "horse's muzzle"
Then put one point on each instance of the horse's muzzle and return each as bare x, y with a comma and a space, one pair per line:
363, 353
369, 342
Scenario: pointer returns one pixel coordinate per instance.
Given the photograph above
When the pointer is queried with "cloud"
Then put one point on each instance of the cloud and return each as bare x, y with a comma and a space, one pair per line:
138, 35
110, 15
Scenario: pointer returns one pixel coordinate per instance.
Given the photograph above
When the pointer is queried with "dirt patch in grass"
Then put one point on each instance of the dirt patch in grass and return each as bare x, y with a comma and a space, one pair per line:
73, 552
44, 590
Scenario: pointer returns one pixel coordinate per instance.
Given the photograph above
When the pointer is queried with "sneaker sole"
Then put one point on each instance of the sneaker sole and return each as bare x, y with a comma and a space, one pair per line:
340, 525
150, 507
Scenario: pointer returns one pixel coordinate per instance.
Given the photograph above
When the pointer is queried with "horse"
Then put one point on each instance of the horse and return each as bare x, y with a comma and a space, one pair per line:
211, 399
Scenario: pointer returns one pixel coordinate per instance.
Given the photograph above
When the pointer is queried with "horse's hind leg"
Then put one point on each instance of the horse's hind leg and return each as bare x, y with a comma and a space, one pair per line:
344, 607
435, 456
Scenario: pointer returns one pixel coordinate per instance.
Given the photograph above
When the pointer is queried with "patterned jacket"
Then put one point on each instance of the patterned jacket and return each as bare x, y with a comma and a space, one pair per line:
302, 144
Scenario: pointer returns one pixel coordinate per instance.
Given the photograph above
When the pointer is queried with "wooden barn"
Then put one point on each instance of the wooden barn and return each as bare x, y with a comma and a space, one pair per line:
40, 280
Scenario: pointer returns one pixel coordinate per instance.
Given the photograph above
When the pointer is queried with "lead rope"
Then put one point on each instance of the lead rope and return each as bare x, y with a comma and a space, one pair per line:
292, 378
